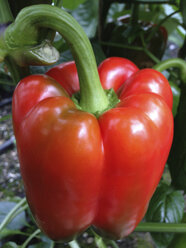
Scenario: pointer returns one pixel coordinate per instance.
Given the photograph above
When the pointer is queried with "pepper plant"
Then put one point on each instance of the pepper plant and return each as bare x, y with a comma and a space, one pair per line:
93, 144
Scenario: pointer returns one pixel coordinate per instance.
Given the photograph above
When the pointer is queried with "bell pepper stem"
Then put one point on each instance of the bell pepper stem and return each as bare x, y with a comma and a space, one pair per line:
175, 62
31, 19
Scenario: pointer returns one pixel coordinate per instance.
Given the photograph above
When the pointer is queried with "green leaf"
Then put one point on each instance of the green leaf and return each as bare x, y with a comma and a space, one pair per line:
167, 206
171, 24
72, 4
10, 245
183, 10
87, 16
179, 240
99, 54
176, 97
41, 245
18, 222
177, 157
116, 10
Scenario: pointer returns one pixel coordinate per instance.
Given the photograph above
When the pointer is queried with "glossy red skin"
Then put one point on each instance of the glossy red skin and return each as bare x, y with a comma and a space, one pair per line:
113, 72
61, 158
137, 136
147, 80
79, 171
66, 75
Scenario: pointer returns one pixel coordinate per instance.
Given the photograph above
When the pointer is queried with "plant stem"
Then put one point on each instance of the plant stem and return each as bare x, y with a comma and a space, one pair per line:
19, 211
149, 2
103, 11
148, 53
134, 14
9, 216
5, 12
99, 242
74, 244
113, 244
31, 19
4, 118
161, 227
155, 28
135, 48
17, 72
151, 55
175, 62
33, 235
52, 244
59, 3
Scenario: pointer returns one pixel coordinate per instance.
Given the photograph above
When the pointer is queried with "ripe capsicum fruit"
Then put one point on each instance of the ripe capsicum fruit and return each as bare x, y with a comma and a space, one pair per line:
95, 160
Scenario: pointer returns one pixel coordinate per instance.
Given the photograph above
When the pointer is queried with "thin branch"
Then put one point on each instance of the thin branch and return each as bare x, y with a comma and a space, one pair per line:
161, 227
33, 235
12, 213
148, 2
74, 244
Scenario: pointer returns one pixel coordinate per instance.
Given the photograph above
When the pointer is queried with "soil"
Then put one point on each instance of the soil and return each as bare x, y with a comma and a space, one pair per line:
10, 178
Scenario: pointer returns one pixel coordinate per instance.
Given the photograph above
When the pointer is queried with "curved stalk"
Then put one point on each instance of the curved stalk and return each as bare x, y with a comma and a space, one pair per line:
33, 235
29, 22
175, 62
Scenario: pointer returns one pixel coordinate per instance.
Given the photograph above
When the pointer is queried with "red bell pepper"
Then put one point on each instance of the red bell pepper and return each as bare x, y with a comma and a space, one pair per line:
96, 161
80, 171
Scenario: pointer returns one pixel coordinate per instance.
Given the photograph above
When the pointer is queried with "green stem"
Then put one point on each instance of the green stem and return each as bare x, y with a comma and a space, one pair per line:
175, 62
74, 244
52, 244
31, 19
103, 11
17, 72
6, 82
161, 227
134, 14
135, 48
58, 3
149, 1
151, 56
6, 117
19, 211
113, 244
155, 28
12, 213
5, 12
148, 53
99, 242
33, 235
